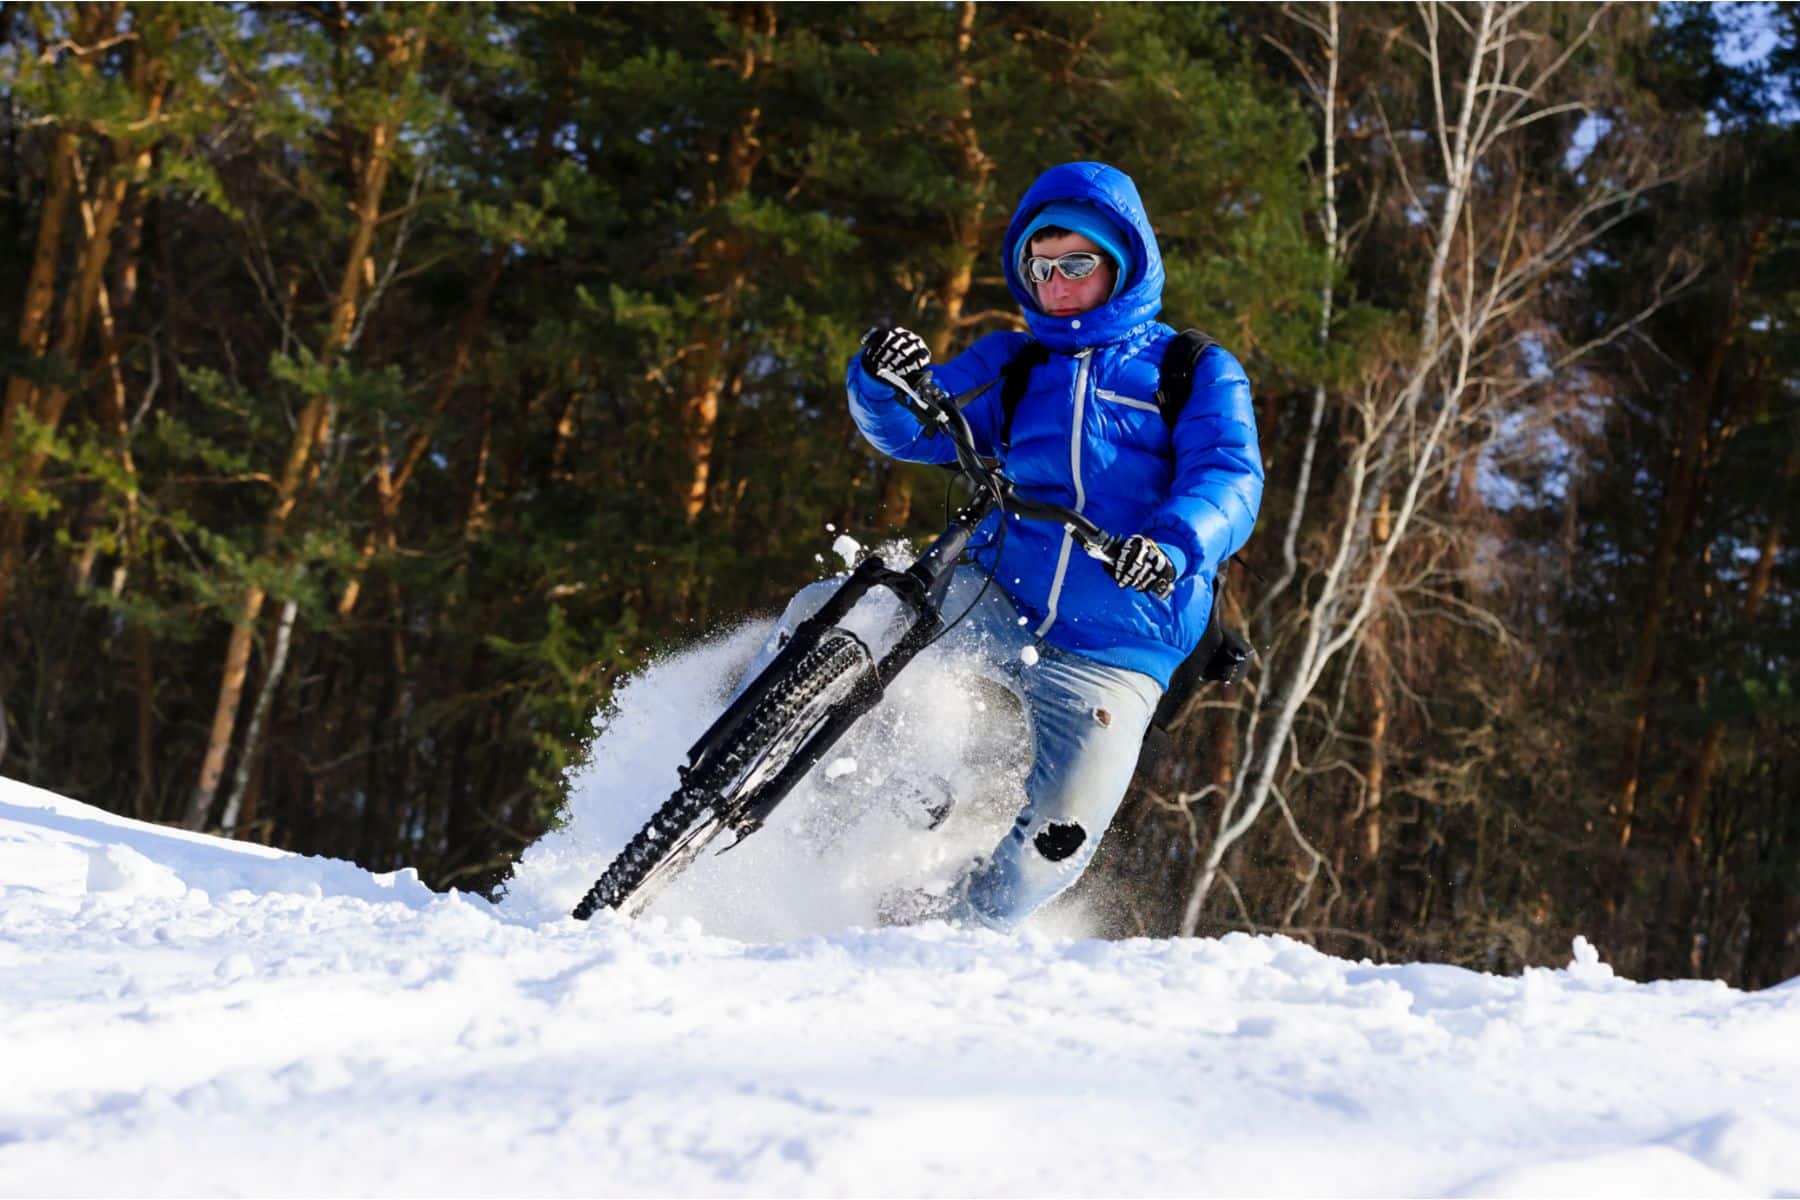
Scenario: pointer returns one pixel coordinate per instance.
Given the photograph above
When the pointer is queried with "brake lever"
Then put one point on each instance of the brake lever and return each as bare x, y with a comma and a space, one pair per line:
1104, 551
922, 408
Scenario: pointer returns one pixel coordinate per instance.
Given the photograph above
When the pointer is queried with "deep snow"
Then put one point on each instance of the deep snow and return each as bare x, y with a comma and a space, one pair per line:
182, 1015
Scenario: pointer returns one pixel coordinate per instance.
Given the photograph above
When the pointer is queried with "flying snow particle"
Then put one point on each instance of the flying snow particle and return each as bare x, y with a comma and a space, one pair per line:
1029, 656
839, 767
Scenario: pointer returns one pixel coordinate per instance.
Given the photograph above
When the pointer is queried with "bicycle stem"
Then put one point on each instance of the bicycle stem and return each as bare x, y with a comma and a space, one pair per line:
935, 407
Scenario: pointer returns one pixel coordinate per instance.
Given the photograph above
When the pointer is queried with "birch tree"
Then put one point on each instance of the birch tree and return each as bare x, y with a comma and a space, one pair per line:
1414, 423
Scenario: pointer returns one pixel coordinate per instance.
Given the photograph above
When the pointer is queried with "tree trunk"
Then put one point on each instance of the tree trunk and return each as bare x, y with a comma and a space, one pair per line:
1374, 778
45, 406
99, 217
1677, 515
34, 338
976, 170
721, 268
40, 288
144, 673
310, 437
1706, 758
259, 719
390, 485
896, 496
968, 229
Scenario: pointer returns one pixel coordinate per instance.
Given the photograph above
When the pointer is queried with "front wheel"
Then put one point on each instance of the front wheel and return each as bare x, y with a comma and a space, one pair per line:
713, 798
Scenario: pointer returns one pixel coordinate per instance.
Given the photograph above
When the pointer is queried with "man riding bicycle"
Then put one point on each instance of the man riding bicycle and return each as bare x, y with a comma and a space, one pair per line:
1082, 260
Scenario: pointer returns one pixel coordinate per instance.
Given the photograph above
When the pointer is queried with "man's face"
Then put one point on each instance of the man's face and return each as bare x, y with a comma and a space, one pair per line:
1062, 297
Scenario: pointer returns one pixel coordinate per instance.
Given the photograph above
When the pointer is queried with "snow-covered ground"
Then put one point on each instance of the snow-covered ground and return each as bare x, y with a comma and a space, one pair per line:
181, 1015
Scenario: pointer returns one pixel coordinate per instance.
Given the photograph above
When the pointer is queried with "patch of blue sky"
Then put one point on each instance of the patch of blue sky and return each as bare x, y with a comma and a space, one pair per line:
1587, 135
1751, 34
1532, 459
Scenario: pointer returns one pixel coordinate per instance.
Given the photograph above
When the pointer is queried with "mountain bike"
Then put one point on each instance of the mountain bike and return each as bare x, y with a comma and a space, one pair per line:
831, 672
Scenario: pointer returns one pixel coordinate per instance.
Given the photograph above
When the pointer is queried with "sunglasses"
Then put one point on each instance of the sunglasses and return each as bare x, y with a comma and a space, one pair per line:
1077, 264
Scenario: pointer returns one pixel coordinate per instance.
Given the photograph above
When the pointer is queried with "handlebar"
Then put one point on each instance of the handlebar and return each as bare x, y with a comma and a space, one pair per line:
937, 409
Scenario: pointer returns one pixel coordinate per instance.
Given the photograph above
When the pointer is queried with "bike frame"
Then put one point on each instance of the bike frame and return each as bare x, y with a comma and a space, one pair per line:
921, 587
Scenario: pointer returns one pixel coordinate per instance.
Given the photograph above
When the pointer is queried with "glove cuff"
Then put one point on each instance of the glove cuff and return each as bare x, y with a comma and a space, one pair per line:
1175, 554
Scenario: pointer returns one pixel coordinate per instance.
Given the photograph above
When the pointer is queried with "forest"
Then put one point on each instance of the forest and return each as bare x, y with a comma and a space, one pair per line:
386, 382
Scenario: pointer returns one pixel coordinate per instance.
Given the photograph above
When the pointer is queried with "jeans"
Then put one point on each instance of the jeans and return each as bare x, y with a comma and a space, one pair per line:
1086, 722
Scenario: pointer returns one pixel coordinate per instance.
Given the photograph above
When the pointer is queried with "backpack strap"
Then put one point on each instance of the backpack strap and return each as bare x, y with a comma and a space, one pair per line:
1015, 377
1175, 379
1174, 384
1222, 656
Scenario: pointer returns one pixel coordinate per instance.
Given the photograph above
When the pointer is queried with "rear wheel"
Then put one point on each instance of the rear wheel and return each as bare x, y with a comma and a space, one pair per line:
713, 798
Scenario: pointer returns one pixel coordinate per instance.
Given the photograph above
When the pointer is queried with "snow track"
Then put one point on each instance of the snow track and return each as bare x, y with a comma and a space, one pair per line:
180, 1015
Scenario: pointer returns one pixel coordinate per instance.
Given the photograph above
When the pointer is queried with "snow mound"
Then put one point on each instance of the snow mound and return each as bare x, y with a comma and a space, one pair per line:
187, 1016
53, 844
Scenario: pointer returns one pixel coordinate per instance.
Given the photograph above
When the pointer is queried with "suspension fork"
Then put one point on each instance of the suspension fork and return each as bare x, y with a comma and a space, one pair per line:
806, 635
922, 586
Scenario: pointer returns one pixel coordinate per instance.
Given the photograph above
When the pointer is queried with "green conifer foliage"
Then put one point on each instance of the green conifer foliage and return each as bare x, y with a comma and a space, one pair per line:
384, 382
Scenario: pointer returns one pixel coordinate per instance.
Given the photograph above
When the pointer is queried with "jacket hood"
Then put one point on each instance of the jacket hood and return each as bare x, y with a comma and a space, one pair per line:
1132, 306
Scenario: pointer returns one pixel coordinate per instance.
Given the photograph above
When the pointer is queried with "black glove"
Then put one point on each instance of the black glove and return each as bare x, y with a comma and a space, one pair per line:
896, 349
1140, 563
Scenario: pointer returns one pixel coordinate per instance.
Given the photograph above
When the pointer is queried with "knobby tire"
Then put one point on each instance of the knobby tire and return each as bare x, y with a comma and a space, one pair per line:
711, 798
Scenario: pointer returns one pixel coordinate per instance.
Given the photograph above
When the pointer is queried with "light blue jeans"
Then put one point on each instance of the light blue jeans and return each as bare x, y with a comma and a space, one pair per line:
1086, 722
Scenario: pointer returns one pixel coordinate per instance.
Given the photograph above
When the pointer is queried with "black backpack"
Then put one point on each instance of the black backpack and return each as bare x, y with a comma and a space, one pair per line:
1222, 653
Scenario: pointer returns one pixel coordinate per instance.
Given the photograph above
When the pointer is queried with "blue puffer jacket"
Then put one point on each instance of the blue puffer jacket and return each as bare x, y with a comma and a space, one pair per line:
1088, 434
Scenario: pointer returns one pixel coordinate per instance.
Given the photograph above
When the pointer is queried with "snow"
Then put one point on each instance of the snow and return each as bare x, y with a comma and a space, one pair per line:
879, 619
847, 548
183, 1015
839, 843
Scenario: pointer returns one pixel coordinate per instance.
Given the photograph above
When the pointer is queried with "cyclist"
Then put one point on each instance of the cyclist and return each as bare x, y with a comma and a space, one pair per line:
1088, 647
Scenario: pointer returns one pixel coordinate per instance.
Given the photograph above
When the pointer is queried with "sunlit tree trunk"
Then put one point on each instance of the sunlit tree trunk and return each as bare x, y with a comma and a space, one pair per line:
309, 438
33, 341
43, 407
259, 717
968, 235
391, 480
722, 270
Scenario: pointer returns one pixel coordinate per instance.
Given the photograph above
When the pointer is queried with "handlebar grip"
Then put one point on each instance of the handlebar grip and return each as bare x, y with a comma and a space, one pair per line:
918, 391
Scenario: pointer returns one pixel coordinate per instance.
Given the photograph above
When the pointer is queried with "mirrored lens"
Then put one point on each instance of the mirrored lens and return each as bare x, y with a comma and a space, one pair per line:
1077, 264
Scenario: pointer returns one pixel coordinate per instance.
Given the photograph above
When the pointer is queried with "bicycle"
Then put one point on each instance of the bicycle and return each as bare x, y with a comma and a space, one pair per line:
832, 671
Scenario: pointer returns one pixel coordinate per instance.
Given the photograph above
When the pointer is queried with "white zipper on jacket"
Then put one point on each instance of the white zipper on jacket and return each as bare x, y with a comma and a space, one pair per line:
1127, 401
1068, 539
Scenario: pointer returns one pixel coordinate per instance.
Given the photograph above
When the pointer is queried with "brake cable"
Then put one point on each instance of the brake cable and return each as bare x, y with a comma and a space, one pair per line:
954, 404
